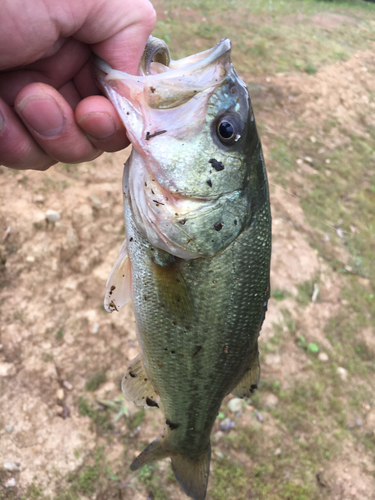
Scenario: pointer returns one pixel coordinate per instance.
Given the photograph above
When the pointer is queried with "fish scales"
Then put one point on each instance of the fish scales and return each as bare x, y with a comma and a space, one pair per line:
196, 260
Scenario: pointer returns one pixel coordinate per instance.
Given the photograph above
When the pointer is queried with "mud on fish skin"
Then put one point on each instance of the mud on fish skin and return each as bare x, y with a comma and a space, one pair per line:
196, 257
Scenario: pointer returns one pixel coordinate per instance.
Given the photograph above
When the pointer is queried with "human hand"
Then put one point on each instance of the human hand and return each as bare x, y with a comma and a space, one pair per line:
50, 107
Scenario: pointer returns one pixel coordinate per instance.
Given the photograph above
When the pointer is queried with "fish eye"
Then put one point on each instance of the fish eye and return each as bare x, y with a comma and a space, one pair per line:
229, 129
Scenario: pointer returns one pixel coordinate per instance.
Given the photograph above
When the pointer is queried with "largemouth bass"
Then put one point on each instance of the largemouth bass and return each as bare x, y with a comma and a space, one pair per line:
196, 258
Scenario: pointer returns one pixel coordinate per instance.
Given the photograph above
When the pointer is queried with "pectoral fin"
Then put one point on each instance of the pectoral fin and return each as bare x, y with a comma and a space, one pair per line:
119, 283
137, 387
249, 382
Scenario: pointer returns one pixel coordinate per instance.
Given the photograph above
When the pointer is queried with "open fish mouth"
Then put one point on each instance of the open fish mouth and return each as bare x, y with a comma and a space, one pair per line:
142, 100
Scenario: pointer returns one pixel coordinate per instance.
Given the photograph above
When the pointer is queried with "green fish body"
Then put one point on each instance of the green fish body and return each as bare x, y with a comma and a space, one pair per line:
198, 242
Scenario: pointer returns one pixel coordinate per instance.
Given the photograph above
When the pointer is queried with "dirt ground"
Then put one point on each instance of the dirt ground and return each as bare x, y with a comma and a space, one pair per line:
55, 335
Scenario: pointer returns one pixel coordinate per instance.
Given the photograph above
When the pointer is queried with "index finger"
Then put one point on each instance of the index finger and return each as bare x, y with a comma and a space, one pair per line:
118, 30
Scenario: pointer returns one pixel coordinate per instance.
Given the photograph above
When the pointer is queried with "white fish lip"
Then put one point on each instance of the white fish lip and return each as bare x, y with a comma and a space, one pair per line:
180, 68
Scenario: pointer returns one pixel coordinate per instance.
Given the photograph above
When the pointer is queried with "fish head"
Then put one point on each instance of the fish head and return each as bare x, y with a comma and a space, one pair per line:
196, 163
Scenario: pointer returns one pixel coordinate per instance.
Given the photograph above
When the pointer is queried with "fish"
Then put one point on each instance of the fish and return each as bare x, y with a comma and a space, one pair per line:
196, 258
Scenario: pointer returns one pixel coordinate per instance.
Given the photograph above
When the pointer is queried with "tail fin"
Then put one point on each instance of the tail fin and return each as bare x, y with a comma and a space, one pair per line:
191, 474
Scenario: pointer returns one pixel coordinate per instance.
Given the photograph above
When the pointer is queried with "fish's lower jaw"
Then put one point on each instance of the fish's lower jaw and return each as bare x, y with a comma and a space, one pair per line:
190, 473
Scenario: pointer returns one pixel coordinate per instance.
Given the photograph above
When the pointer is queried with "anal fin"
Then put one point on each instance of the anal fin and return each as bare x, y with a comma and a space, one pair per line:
249, 382
153, 452
137, 387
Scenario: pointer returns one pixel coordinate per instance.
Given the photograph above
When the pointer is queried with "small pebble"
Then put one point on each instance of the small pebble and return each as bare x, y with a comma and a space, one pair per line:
259, 417
52, 215
342, 373
60, 394
67, 385
277, 451
95, 199
299, 161
9, 428
322, 356
10, 483
30, 259
227, 425
313, 139
217, 436
328, 161
39, 198
95, 328
235, 405
358, 422
340, 232
12, 466
308, 159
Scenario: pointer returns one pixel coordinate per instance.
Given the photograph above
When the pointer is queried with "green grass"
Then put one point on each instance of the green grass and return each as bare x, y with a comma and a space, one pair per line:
286, 40
96, 381
228, 480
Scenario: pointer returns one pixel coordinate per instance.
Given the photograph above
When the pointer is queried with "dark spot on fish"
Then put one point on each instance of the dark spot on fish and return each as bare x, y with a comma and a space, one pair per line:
218, 226
145, 379
158, 202
131, 239
161, 305
214, 282
145, 297
111, 290
172, 426
160, 365
199, 347
235, 222
216, 164
132, 375
233, 90
127, 113
178, 300
150, 136
253, 388
178, 281
226, 349
152, 89
146, 184
208, 181
149, 402
165, 348
113, 305
175, 324
182, 222
176, 214
173, 352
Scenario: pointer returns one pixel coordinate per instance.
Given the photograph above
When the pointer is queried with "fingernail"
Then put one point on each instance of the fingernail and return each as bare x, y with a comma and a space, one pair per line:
42, 114
98, 125
2, 121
